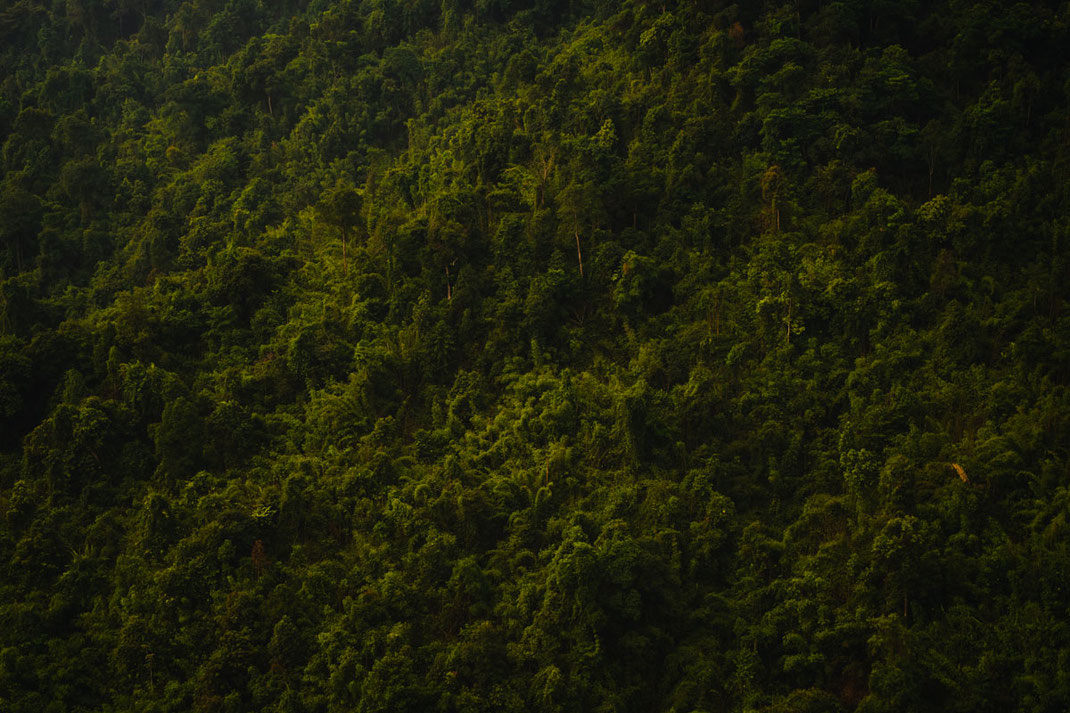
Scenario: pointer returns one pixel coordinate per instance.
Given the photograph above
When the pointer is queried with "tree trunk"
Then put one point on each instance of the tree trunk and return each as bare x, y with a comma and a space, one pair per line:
788, 338
579, 254
345, 263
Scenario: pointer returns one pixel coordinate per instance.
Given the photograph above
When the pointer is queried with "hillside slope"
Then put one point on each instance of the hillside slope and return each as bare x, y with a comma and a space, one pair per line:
534, 355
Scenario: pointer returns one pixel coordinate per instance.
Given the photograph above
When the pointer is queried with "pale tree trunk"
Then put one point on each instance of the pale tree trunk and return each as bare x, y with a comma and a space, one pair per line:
579, 253
345, 263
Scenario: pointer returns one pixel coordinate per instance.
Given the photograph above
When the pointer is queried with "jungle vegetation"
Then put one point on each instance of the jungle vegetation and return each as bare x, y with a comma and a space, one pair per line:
534, 355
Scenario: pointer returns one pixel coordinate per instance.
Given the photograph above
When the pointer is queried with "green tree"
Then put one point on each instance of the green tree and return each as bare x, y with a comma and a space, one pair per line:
340, 207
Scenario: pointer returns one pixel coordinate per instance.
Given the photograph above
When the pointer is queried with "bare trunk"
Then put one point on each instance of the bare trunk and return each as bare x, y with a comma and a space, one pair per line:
345, 262
788, 339
579, 254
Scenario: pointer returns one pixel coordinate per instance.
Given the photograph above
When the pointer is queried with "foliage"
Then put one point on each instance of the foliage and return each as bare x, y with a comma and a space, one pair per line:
531, 355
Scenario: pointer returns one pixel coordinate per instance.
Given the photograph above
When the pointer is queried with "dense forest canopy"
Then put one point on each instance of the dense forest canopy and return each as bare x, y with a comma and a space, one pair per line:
541, 355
